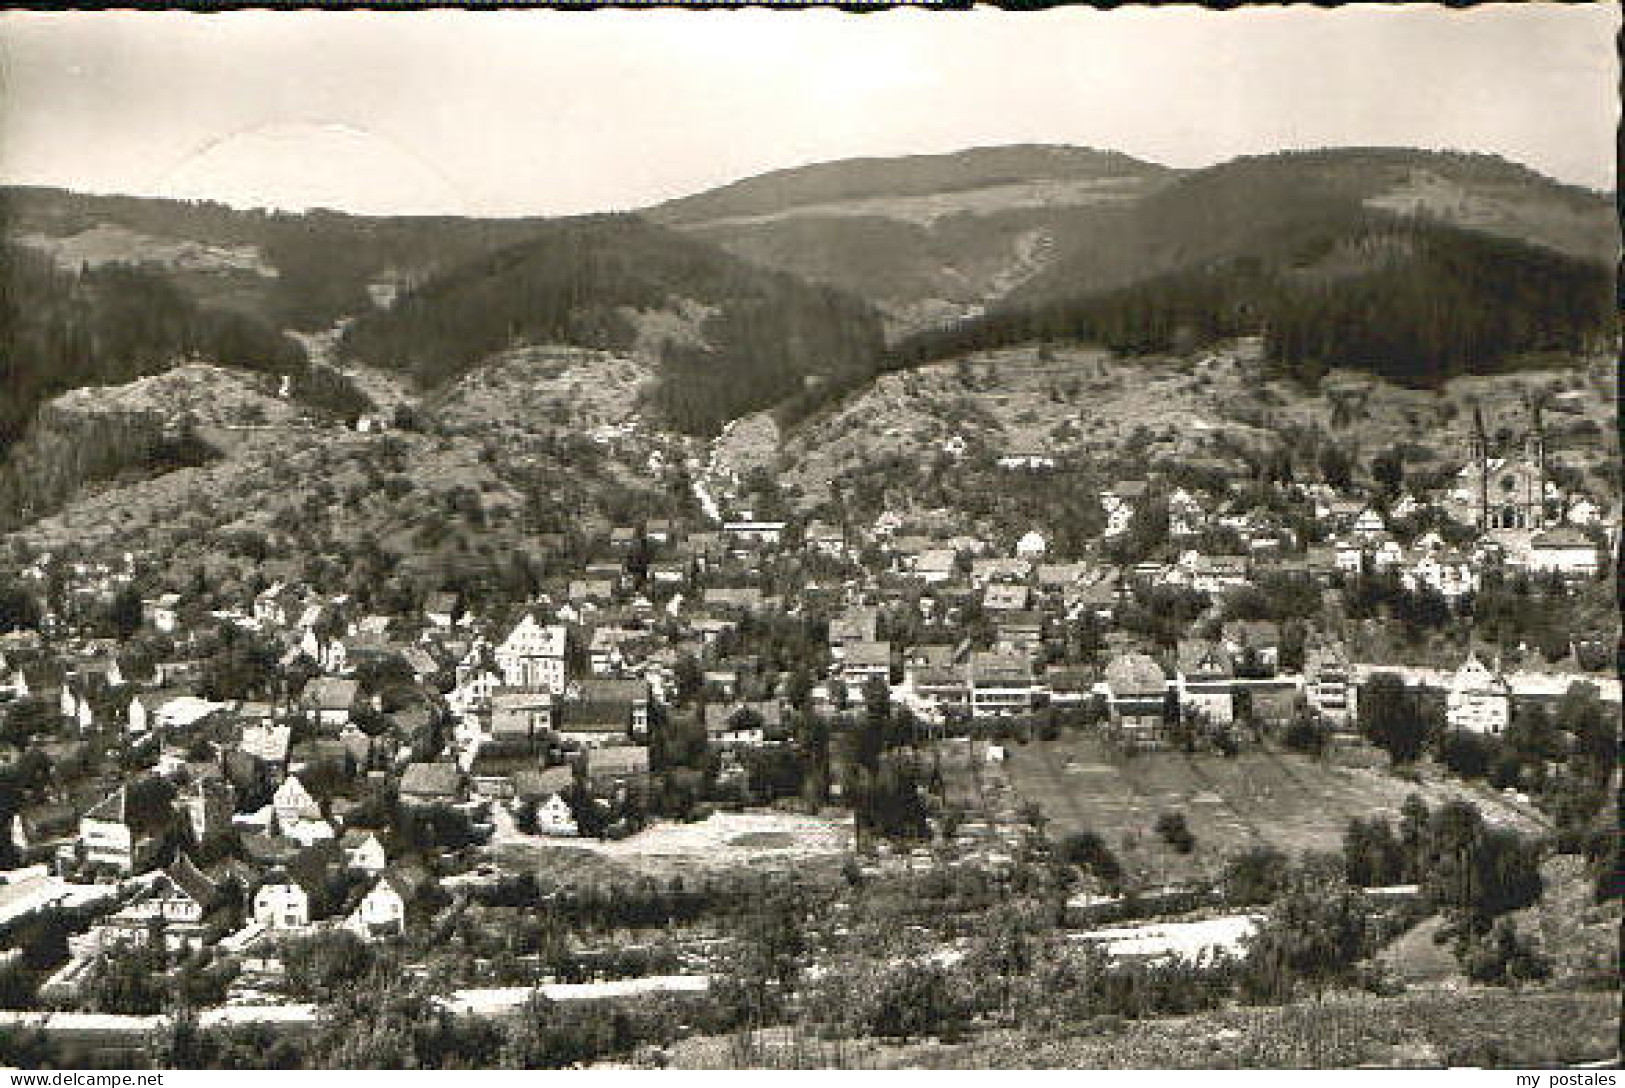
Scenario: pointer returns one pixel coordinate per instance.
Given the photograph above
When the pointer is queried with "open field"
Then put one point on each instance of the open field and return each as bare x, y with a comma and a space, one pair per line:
1293, 802
725, 841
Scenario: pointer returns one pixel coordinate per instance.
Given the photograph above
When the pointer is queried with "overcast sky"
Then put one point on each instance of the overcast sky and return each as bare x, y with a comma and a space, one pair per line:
542, 112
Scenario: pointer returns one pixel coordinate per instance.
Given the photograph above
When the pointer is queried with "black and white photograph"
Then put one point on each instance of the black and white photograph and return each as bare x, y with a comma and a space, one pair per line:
840, 538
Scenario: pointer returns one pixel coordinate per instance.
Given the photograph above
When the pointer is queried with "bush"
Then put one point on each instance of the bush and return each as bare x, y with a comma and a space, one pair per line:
1255, 876
1304, 734
1175, 832
1468, 754
1503, 957
916, 999
1088, 850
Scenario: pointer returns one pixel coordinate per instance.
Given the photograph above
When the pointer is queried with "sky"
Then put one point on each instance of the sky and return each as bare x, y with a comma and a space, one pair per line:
547, 112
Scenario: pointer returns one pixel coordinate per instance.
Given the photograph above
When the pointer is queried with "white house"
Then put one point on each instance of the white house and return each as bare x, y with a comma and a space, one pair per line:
1369, 523
293, 804
1449, 574
328, 653
1583, 512
364, 852
531, 658
383, 908
165, 612
106, 836
1026, 458
553, 817
1031, 545
1480, 698
281, 903
183, 894
77, 709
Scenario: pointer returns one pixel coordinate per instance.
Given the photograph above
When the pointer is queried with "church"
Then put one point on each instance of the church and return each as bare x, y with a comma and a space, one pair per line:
1508, 490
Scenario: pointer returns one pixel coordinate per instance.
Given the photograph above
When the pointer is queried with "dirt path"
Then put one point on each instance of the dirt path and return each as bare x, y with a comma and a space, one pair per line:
1416, 959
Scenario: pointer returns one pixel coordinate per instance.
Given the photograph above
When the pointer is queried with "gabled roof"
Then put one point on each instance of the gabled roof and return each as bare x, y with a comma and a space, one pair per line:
1202, 658
112, 808
543, 782
187, 877
405, 882
603, 689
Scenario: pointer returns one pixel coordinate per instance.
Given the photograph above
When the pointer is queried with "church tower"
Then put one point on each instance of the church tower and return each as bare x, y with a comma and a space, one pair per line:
1478, 454
1534, 449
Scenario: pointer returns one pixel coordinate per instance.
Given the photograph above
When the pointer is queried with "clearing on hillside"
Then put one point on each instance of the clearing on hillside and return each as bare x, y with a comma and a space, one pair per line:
1293, 802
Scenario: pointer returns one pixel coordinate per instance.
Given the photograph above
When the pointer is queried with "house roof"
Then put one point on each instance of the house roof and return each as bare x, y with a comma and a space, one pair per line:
939, 676
1563, 537
613, 761
431, 779
596, 716
543, 781
1070, 678
939, 656
614, 690
1200, 657
49, 819
1000, 670
403, 881
331, 693
868, 653
1135, 674
186, 876
1255, 633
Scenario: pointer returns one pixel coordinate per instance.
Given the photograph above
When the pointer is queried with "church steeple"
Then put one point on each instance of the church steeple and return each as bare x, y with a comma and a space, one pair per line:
1534, 447
1479, 452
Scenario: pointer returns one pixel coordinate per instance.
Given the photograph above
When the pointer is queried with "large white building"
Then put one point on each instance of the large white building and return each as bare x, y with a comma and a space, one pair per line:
1564, 551
532, 657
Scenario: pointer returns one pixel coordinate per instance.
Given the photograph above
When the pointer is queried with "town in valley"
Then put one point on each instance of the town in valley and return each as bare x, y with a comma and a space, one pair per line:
1022, 607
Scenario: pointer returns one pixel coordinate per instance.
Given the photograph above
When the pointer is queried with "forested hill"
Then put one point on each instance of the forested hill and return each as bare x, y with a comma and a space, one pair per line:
292, 270
1402, 296
104, 326
1239, 206
730, 338
925, 238
908, 176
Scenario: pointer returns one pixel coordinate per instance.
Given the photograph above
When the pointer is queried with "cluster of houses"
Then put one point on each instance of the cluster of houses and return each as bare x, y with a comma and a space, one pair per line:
521, 719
